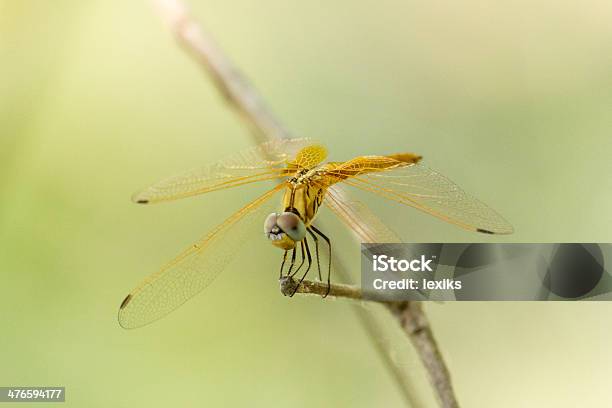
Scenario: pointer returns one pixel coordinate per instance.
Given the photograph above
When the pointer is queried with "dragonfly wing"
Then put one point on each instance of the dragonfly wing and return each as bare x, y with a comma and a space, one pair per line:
420, 187
308, 157
195, 268
266, 161
358, 217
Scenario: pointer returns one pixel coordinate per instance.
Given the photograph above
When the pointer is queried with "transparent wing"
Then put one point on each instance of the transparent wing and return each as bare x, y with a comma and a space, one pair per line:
266, 161
358, 217
420, 187
196, 267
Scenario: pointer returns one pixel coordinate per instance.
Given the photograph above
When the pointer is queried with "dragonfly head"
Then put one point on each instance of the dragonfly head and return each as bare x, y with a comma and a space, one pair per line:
284, 229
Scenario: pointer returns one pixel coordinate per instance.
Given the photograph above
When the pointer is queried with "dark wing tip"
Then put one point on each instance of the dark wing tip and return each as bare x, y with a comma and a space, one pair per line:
484, 231
125, 301
140, 198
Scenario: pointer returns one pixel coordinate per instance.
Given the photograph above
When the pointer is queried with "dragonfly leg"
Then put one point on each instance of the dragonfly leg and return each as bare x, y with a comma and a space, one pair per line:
301, 263
292, 262
304, 244
316, 241
283, 265
322, 235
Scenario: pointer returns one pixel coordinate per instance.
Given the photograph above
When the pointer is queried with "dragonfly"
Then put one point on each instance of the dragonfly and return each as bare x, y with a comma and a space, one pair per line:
302, 183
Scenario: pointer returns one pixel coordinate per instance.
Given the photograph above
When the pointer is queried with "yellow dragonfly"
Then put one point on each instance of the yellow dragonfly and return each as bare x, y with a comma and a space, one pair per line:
303, 185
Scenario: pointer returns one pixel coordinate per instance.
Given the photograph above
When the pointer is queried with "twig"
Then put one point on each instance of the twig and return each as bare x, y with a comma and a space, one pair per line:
412, 319
241, 96
415, 324
288, 288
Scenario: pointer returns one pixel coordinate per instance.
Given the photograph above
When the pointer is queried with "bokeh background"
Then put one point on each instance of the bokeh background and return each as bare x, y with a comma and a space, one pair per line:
511, 99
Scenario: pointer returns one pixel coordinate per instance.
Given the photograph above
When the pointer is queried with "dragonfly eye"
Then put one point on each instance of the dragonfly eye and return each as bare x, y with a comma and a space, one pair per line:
270, 224
291, 225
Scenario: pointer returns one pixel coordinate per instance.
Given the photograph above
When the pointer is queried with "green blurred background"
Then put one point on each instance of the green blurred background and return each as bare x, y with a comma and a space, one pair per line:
511, 99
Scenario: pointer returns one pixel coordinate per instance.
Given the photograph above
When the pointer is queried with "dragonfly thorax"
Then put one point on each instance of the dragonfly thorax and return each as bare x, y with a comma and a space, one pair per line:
304, 198
306, 176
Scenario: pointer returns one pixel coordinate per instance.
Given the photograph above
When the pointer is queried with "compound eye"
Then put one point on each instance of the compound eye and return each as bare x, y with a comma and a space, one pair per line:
288, 221
270, 223
292, 225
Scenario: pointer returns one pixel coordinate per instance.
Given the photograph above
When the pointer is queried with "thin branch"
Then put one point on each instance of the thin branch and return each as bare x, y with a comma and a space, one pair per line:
243, 98
237, 91
288, 284
415, 324
412, 320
